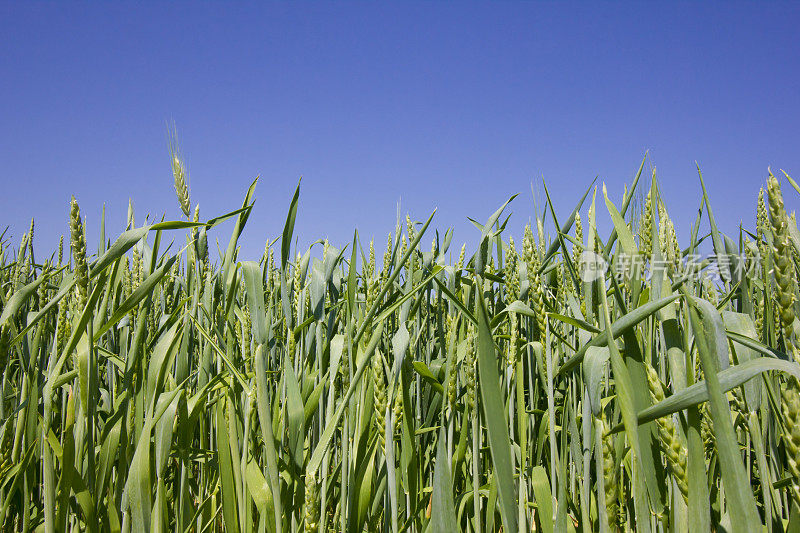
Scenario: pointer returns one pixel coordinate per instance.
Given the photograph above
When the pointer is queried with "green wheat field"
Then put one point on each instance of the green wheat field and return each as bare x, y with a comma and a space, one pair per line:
572, 381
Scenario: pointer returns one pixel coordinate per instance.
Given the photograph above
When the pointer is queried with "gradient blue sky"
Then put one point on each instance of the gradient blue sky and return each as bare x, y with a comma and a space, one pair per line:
447, 105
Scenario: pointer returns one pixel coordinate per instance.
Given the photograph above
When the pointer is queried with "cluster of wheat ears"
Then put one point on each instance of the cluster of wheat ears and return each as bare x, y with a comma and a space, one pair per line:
168, 388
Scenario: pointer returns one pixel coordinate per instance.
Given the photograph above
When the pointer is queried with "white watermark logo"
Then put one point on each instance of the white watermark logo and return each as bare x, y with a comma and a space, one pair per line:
692, 266
592, 266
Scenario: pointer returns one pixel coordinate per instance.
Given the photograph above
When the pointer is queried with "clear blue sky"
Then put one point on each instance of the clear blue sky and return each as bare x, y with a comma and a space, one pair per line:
436, 104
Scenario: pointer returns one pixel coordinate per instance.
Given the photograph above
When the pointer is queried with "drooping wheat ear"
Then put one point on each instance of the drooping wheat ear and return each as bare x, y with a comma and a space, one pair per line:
379, 390
646, 227
78, 245
609, 477
672, 444
180, 174
781, 258
311, 503
791, 437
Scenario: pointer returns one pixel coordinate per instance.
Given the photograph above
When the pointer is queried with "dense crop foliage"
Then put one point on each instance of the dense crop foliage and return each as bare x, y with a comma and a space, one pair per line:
161, 387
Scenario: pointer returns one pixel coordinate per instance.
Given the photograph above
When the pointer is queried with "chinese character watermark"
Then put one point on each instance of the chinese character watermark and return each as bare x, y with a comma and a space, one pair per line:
716, 268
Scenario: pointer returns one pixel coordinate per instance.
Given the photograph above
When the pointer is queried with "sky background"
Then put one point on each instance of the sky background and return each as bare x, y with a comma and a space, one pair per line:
435, 105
